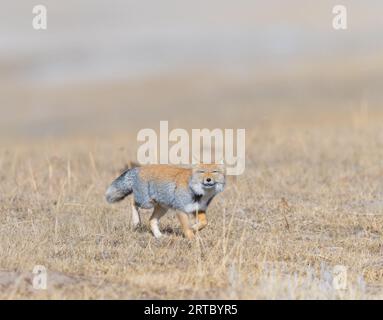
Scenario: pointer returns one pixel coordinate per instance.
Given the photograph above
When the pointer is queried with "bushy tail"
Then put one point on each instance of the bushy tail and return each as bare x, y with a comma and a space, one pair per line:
121, 187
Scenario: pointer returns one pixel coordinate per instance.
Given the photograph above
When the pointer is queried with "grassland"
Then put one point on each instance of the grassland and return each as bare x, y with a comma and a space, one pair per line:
310, 199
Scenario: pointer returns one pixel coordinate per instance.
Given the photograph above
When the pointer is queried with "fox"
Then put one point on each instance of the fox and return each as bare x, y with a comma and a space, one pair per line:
161, 187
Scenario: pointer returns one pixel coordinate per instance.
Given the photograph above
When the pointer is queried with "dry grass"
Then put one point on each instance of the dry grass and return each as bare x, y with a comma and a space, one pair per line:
311, 198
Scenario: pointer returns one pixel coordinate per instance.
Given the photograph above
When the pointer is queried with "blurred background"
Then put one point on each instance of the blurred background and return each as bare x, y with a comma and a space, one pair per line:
104, 68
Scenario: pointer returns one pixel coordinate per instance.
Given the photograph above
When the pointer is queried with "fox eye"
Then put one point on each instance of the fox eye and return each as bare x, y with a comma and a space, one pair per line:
201, 171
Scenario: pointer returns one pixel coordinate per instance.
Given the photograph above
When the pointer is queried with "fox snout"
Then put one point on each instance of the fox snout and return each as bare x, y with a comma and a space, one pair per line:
208, 180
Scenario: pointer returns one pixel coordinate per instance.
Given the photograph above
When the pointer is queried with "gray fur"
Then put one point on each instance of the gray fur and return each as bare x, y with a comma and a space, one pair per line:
122, 186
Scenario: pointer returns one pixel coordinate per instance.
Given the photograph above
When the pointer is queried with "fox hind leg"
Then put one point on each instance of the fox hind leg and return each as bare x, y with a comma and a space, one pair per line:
136, 218
155, 219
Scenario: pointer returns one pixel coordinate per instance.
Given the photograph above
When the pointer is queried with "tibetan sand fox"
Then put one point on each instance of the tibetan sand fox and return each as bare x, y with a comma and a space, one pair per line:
163, 187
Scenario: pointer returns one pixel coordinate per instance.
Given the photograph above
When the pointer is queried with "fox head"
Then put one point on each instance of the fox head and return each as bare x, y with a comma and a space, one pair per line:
208, 177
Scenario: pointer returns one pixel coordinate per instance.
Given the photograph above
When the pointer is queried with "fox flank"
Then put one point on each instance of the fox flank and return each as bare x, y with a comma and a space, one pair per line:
163, 187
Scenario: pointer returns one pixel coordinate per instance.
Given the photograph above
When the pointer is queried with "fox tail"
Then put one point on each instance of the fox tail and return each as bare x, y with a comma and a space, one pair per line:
121, 187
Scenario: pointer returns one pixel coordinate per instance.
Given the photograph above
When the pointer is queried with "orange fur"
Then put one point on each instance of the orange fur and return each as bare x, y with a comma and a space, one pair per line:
166, 173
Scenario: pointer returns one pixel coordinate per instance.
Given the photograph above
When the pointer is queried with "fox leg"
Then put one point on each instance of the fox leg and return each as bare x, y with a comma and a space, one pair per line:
136, 219
184, 220
155, 218
201, 221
